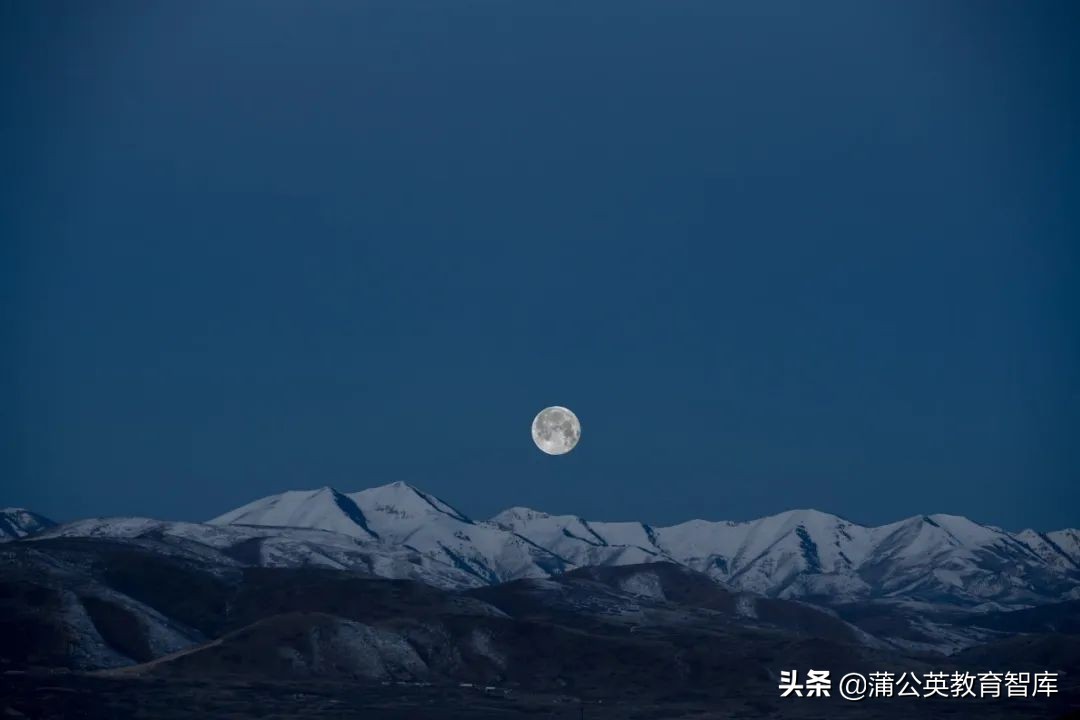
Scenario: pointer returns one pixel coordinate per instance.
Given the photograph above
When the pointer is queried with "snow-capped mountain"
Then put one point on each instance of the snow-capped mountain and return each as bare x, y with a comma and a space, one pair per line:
937, 583
323, 509
19, 522
810, 554
1060, 549
796, 554
417, 520
403, 516
581, 542
399, 531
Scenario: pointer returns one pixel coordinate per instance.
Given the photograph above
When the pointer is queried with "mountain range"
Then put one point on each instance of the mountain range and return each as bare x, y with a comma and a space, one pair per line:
394, 585
906, 582
795, 554
800, 554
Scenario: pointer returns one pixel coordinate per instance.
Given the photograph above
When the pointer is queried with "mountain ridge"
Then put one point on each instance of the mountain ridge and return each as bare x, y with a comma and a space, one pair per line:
914, 584
802, 553
17, 522
797, 554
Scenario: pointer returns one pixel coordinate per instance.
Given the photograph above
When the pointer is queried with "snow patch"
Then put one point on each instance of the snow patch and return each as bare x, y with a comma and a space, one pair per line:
646, 584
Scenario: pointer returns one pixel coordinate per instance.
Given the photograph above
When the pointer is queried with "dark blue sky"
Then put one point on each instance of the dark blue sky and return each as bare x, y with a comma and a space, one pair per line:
773, 256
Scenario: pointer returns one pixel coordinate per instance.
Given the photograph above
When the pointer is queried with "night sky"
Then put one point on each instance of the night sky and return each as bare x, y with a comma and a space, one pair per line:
773, 254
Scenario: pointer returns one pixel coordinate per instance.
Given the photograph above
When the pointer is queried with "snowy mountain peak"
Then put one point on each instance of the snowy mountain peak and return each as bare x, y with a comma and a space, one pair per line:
405, 501
401, 516
806, 517
515, 515
801, 553
20, 522
325, 509
1059, 549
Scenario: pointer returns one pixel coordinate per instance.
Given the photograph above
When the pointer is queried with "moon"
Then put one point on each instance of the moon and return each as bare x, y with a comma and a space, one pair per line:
556, 430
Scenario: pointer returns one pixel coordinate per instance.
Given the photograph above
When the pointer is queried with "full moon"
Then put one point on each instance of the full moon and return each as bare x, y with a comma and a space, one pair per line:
556, 430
